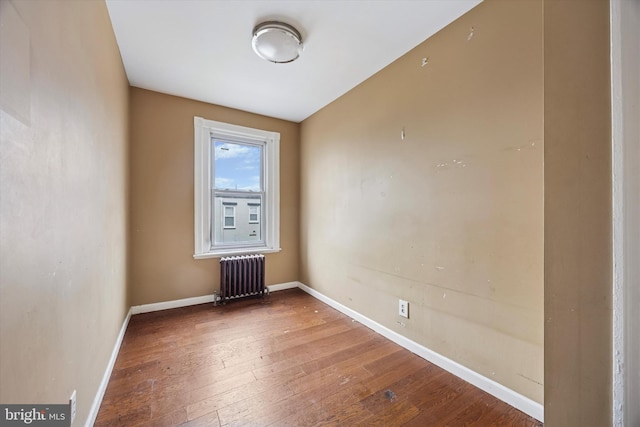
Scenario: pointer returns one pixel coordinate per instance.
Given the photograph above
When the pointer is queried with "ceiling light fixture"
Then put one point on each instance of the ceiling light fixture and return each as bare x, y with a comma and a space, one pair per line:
277, 42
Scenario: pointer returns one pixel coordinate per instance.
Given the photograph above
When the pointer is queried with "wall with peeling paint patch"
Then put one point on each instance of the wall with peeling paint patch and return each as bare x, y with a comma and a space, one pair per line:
450, 217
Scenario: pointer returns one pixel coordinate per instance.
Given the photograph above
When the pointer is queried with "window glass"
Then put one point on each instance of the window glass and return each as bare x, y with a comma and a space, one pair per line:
229, 217
254, 213
238, 167
236, 190
238, 187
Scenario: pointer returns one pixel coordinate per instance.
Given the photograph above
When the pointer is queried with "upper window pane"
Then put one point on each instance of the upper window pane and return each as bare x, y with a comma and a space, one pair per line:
237, 166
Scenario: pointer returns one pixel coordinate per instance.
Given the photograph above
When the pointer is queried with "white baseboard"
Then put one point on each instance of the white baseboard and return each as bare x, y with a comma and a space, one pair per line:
97, 400
283, 286
147, 308
518, 401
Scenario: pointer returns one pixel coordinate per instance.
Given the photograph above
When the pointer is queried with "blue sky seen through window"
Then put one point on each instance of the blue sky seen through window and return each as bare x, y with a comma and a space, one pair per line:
237, 166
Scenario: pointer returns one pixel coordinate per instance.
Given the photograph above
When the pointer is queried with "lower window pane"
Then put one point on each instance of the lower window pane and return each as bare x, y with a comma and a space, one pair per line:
233, 221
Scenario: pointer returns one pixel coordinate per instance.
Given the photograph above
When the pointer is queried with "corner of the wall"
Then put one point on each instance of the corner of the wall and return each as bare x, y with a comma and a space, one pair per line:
511, 397
102, 388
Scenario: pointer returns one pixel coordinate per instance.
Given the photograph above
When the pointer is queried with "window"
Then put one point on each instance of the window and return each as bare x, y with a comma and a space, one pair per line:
236, 187
254, 213
229, 218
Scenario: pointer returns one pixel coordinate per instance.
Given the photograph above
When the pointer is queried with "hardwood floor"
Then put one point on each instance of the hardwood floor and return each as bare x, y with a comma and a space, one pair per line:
292, 361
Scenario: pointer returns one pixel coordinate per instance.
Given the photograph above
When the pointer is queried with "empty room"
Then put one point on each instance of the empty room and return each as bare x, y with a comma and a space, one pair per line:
308, 212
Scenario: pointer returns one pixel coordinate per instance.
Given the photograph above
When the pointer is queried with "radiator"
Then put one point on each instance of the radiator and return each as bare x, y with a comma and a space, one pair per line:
241, 276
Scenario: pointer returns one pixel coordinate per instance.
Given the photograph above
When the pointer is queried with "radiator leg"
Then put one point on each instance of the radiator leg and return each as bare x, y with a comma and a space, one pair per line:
266, 294
216, 296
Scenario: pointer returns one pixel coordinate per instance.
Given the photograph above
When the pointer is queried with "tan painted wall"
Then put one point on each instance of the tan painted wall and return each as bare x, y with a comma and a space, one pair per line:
451, 217
63, 203
577, 249
162, 264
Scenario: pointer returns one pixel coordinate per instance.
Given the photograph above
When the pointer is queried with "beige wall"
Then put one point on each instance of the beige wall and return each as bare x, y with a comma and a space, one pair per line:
577, 247
162, 264
63, 203
451, 217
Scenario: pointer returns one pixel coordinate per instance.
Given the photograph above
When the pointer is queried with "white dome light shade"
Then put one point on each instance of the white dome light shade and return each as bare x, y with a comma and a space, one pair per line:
277, 42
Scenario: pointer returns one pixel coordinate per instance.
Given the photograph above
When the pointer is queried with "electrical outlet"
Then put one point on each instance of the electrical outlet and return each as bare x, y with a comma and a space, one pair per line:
72, 406
403, 309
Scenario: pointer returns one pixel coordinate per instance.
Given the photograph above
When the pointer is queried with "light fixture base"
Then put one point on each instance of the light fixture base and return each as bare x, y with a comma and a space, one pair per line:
277, 42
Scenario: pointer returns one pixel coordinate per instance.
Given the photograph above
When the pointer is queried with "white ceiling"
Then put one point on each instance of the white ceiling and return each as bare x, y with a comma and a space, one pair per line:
201, 49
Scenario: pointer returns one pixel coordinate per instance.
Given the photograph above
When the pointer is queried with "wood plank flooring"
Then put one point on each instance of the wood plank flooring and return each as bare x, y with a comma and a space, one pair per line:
288, 361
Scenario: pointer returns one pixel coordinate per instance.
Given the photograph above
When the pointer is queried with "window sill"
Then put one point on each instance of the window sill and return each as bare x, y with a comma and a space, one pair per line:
235, 252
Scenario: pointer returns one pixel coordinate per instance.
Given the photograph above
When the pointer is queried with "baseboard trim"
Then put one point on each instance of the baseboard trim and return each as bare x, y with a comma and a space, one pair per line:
97, 400
283, 286
185, 302
518, 401
166, 305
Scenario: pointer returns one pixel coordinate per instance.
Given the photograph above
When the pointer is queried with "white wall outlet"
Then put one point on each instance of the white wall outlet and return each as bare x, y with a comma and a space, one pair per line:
403, 309
72, 406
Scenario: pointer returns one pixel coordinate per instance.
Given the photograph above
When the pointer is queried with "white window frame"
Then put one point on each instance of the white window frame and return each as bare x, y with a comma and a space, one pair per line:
225, 216
257, 207
204, 133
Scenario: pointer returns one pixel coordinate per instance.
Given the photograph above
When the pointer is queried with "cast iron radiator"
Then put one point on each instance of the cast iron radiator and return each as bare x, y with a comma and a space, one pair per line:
241, 276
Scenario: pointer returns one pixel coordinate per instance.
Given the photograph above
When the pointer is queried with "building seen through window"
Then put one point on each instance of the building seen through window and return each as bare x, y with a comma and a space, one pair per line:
238, 192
